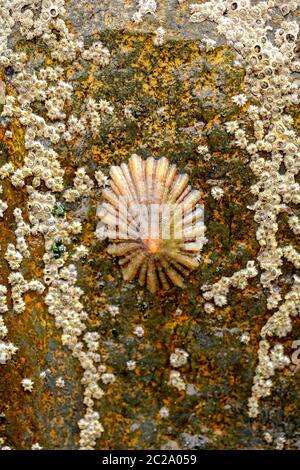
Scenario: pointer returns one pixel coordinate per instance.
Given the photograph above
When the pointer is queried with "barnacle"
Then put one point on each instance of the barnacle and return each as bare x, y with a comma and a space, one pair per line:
154, 220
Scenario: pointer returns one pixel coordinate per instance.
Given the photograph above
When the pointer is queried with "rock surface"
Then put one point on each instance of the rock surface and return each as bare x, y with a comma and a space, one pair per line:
168, 99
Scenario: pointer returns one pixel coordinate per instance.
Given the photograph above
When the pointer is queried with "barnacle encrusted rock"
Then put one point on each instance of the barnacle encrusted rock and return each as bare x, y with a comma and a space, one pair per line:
154, 220
213, 86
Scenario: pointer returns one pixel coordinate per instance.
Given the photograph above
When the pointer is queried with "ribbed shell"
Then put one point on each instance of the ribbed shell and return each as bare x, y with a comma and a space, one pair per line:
162, 260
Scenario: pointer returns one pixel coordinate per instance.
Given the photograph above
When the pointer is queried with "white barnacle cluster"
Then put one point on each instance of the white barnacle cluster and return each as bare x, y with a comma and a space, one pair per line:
2, 446
3, 300
95, 113
179, 358
159, 37
92, 117
217, 193
97, 53
15, 253
60, 383
40, 20
108, 378
280, 324
83, 184
280, 442
80, 253
268, 53
101, 178
70, 317
204, 152
294, 224
7, 349
27, 384
37, 98
22, 230
231, 126
113, 310
269, 361
218, 292
245, 337
6, 170
292, 255
19, 286
75, 125
44, 373
176, 380
208, 44
202, 149
36, 446
13, 256
164, 412
139, 331
41, 162
268, 437
240, 100
90, 429
56, 97
71, 195
145, 7
131, 365
3, 204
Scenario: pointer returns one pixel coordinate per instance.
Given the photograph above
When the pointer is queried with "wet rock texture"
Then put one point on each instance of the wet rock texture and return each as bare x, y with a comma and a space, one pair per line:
168, 100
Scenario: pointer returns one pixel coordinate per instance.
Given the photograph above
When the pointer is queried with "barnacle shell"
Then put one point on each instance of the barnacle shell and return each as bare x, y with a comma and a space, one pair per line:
154, 222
